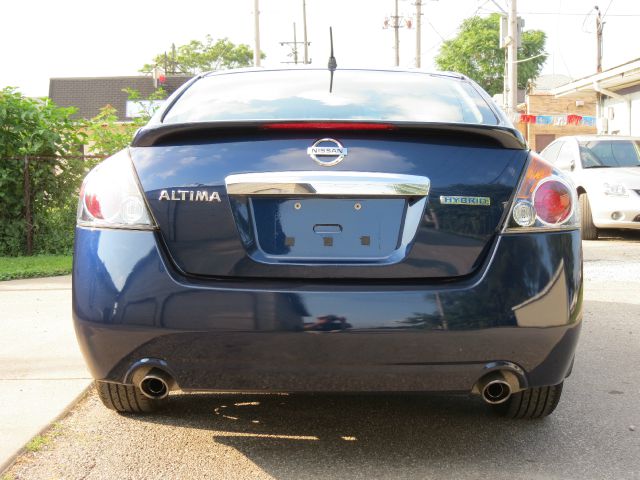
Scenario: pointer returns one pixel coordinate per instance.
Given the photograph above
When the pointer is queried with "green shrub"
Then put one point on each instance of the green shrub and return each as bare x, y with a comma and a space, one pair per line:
41, 141
38, 139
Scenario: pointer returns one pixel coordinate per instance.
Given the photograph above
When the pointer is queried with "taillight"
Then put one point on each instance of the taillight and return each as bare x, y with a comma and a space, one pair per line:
110, 196
545, 199
552, 201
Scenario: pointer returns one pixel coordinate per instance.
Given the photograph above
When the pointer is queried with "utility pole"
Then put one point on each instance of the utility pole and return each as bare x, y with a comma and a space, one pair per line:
511, 82
418, 32
395, 24
294, 45
304, 26
599, 28
599, 96
256, 50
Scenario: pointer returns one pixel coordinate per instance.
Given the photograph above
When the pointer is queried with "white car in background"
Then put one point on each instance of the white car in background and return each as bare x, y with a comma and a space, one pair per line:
606, 173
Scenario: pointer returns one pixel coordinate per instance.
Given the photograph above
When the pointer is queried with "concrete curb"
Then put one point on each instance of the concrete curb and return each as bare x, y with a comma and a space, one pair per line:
13, 457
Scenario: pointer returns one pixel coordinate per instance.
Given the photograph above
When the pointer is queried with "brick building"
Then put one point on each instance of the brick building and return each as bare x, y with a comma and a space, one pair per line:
541, 101
90, 94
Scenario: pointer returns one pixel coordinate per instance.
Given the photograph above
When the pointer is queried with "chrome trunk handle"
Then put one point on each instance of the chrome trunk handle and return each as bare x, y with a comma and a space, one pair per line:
350, 184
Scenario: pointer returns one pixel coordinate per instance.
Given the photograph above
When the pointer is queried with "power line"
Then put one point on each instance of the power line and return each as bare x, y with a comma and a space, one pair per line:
607, 9
586, 17
480, 9
579, 14
435, 30
559, 47
450, 35
561, 14
543, 54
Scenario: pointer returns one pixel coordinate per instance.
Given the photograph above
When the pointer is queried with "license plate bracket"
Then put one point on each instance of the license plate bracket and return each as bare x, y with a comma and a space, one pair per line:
328, 229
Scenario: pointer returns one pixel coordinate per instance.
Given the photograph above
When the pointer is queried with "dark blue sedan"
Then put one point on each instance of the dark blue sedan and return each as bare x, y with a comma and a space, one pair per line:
270, 232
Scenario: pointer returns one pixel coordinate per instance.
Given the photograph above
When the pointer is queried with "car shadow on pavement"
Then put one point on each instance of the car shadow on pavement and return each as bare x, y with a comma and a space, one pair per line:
619, 235
297, 436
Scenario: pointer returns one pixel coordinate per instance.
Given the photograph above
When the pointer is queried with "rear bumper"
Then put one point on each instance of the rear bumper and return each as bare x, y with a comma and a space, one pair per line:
522, 310
625, 210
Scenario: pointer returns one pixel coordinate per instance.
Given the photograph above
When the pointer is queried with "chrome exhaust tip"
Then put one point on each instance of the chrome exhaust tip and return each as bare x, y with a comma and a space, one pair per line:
496, 387
155, 384
496, 392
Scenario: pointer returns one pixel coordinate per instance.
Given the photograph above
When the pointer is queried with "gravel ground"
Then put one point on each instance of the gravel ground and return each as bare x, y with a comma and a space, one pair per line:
594, 433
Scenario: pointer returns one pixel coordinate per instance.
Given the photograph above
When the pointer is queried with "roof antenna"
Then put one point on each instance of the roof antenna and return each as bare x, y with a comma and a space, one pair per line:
332, 61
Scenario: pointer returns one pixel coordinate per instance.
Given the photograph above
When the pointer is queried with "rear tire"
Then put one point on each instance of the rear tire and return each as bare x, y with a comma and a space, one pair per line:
531, 403
126, 398
589, 230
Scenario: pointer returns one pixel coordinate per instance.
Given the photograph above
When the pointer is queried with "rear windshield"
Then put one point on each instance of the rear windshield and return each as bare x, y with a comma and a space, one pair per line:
356, 95
610, 153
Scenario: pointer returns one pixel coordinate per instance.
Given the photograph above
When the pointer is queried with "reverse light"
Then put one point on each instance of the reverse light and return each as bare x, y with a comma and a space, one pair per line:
110, 196
545, 199
524, 214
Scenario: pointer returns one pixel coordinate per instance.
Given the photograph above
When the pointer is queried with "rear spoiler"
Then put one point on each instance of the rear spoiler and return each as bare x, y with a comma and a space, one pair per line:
171, 134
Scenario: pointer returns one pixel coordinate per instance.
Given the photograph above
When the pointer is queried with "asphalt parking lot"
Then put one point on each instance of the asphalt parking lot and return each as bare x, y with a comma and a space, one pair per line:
594, 433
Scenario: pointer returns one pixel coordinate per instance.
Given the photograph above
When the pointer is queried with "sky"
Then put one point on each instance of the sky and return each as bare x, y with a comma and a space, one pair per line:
84, 38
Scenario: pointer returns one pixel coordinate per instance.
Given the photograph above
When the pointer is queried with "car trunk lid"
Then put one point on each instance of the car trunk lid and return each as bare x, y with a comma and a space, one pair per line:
403, 204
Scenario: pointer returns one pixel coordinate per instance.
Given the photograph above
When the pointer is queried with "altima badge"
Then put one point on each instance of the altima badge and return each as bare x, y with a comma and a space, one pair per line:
464, 200
327, 152
189, 196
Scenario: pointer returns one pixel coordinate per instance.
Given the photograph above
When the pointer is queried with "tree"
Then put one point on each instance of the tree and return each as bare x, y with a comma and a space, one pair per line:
33, 126
202, 56
106, 135
33, 191
476, 52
